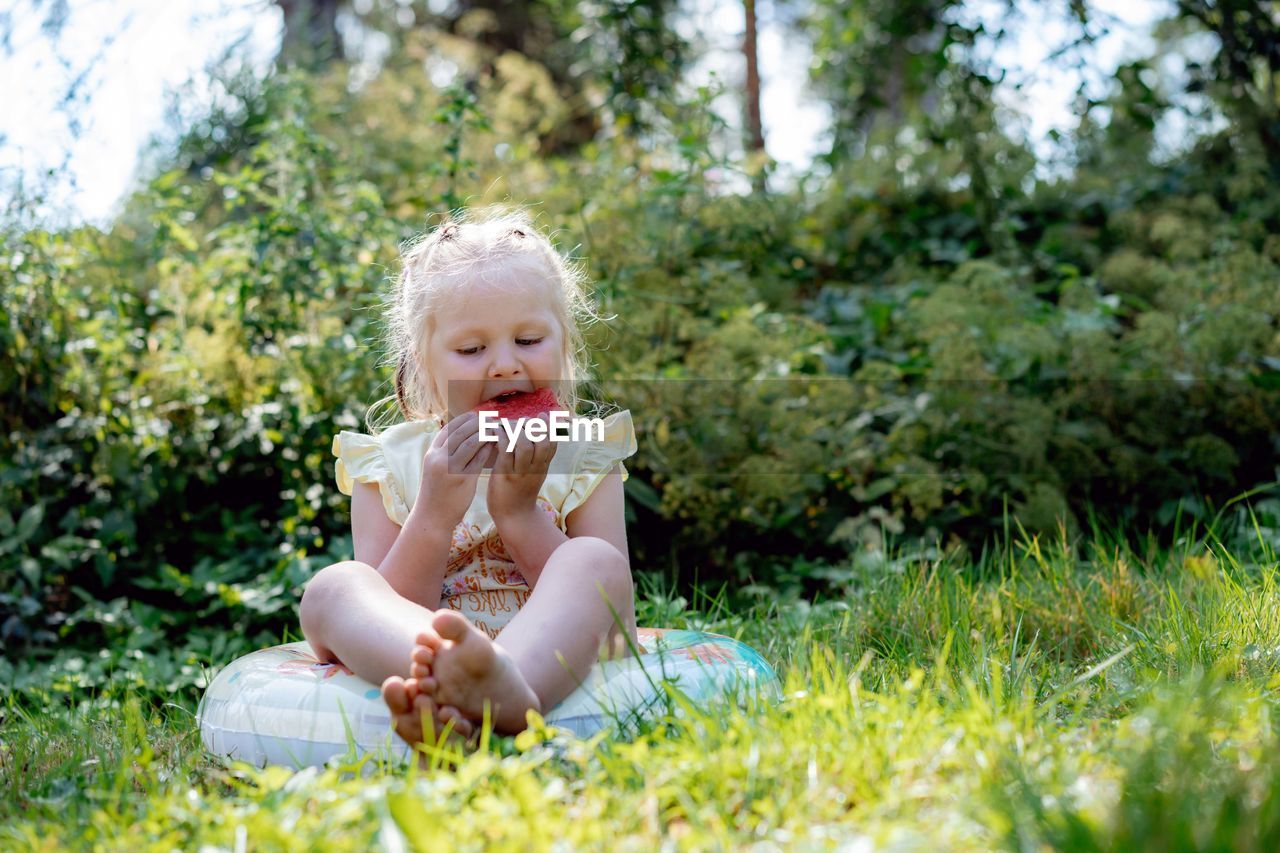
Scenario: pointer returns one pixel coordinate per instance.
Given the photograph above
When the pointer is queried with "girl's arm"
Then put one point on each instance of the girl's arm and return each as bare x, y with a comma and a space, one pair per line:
413, 559
531, 536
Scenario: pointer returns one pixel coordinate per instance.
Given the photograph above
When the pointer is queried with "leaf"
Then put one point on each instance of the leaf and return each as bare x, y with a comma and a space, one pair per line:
30, 570
29, 522
183, 236
55, 553
411, 818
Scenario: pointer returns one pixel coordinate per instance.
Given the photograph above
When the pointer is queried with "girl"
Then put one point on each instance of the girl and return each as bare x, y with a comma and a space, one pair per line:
481, 575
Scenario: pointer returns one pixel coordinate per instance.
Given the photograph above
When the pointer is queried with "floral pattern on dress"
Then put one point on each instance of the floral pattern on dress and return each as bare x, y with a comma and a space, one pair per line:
478, 562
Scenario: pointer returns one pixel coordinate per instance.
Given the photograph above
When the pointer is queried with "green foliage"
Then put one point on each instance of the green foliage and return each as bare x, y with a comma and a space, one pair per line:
1241, 74
843, 392
1044, 696
935, 392
177, 386
633, 48
923, 345
878, 60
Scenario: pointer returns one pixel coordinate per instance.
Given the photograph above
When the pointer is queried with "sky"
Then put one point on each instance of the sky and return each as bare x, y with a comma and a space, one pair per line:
149, 47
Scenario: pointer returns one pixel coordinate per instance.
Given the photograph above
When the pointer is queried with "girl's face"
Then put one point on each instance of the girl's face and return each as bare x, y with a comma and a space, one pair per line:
495, 338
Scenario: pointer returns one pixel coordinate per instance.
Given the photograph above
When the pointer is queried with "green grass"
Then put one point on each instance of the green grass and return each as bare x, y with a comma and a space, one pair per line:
1082, 698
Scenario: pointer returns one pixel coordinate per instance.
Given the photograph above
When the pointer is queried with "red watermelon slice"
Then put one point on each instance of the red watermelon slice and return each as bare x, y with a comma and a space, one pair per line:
523, 405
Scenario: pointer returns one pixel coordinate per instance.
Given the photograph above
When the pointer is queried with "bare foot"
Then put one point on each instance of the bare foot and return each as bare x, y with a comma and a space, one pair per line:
468, 670
426, 645
416, 717
401, 696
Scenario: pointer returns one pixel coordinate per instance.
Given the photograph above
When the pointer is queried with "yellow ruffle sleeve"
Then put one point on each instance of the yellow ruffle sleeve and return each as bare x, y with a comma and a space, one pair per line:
597, 458
360, 459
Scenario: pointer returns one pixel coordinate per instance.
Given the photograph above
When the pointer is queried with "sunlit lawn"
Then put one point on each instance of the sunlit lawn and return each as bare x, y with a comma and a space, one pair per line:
1077, 699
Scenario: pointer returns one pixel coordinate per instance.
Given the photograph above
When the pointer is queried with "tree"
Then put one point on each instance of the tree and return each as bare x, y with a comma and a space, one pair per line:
755, 129
623, 52
878, 61
311, 39
1244, 74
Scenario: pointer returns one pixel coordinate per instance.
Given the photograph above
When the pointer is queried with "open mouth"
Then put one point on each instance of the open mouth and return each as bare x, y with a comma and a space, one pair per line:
520, 404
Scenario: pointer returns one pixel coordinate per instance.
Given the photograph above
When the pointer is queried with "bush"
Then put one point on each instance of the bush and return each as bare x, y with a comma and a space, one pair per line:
810, 371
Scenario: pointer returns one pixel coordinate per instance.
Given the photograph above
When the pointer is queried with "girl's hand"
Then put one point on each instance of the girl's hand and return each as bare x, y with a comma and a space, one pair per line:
517, 478
450, 470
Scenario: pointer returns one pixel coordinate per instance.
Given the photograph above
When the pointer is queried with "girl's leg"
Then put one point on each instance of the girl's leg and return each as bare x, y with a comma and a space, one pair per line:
567, 616
351, 614
545, 651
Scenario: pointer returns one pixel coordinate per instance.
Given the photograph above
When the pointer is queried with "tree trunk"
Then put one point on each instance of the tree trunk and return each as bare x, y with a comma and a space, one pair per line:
755, 130
311, 38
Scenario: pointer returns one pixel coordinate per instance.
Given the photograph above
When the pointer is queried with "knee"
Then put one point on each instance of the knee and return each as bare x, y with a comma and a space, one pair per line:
330, 585
602, 562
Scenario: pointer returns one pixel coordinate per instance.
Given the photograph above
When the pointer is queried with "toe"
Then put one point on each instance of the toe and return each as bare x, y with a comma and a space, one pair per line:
461, 724
428, 640
450, 625
418, 671
423, 655
395, 694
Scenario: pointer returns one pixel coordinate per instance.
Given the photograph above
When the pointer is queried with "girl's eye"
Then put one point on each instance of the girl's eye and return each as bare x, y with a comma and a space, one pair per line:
528, 342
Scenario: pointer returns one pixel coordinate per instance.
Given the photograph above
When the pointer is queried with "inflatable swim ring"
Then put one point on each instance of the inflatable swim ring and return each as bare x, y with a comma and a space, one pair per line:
282, 705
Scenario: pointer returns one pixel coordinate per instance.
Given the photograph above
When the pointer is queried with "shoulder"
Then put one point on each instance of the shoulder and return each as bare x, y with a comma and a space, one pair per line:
395, 443
391, 459
597, 442
613, 441
591, 460
409, 432
403, 446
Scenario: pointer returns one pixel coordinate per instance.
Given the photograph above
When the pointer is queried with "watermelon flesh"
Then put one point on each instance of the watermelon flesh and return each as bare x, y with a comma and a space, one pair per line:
537, 404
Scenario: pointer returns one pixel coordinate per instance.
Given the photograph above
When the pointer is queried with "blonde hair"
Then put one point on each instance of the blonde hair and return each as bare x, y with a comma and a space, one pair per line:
435, 266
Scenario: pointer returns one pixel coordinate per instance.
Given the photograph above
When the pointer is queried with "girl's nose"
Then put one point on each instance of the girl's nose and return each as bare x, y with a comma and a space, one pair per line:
505, 362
